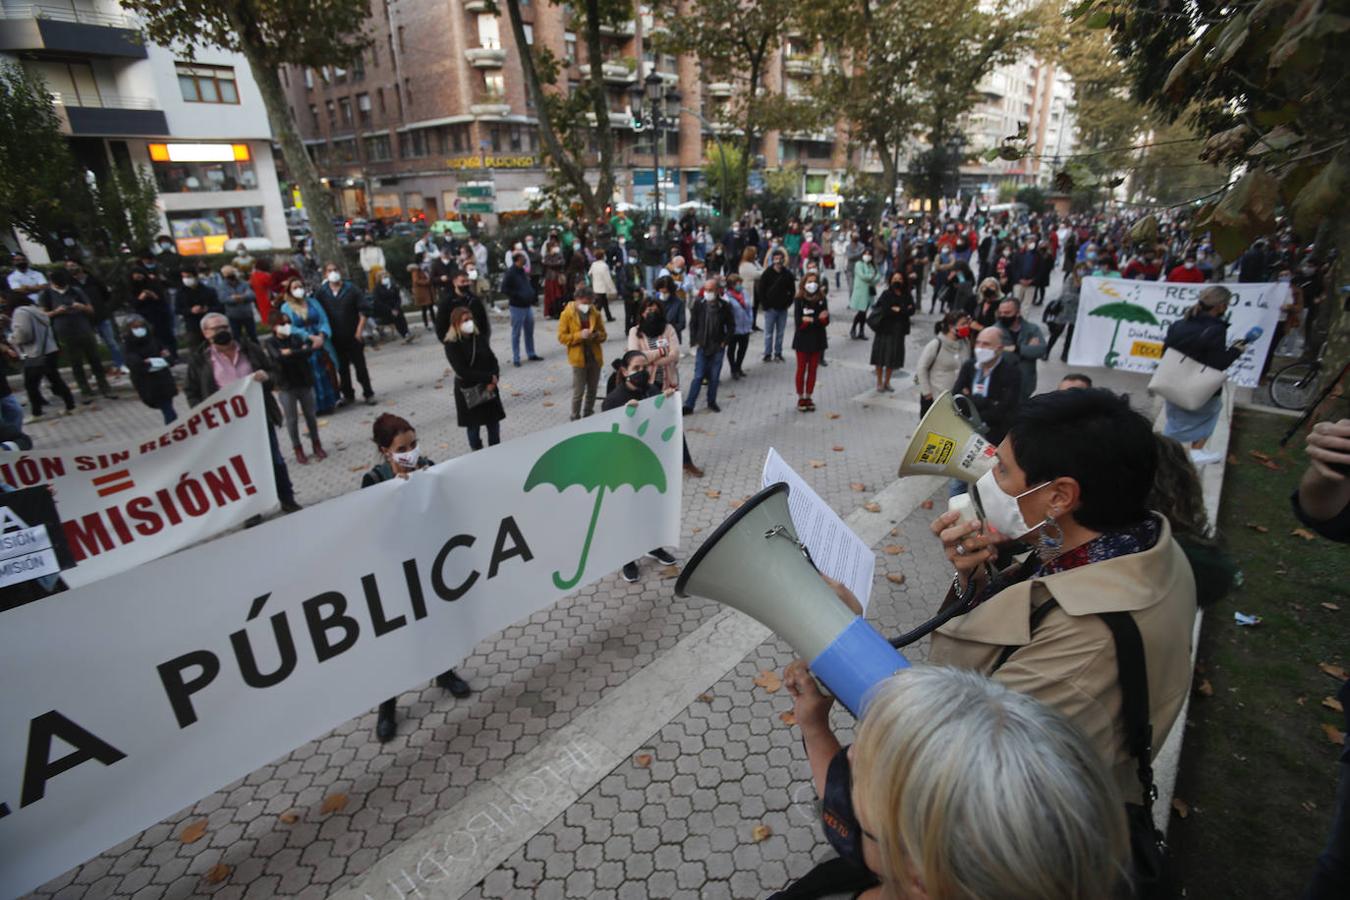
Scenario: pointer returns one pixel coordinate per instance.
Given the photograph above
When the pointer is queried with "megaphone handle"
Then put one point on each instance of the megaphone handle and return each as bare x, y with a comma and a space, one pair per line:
782, 531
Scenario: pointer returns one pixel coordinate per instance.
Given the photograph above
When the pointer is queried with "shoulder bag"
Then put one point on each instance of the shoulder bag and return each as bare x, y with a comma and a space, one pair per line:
475, 395
1184, 381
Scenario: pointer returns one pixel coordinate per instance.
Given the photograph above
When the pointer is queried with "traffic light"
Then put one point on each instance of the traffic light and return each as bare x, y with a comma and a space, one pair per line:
636, 124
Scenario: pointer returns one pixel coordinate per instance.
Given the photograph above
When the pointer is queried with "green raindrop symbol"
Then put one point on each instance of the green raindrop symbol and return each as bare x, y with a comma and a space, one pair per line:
668, 433
642, 429
630, 411
660, 400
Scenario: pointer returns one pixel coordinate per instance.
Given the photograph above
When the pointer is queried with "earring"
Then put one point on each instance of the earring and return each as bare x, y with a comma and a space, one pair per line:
1049, 538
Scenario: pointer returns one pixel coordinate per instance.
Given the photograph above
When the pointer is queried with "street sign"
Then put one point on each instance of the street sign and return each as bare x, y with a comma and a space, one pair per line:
474, 190
477, 207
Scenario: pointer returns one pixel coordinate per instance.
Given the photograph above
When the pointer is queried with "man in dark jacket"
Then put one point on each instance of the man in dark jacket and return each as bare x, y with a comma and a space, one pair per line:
193, 301
522, 297
72, 317
1023, 342
98, 295
221, 360
442, 273
711, 327
776, 290
347, 309
1024, 267
992, 381
462, 295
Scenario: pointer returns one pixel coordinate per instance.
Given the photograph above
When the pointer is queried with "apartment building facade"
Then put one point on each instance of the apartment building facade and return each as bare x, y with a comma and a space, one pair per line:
1031, 94
198, 124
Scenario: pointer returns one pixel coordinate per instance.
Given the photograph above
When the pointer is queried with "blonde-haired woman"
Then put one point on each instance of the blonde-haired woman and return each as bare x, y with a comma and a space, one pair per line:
478, 401
750, 271
956, 788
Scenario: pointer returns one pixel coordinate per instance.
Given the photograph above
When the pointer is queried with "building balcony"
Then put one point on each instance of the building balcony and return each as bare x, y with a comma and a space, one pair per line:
486, 57
719, 89
616, 119
55, 29
800, 66
623, 29
612, 72
478, 6
110, 115
490, 108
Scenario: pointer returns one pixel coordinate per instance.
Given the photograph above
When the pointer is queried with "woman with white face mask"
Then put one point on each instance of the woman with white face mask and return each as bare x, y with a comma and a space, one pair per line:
396, 441
148, 361
309, 321
478, 402
293, 378
1071, 481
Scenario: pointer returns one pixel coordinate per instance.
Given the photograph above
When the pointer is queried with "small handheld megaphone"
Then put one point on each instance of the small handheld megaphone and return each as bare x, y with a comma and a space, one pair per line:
948, 442
754, 563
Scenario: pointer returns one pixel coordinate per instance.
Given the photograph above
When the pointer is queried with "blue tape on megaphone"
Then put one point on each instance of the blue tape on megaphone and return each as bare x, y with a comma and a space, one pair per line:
855, 662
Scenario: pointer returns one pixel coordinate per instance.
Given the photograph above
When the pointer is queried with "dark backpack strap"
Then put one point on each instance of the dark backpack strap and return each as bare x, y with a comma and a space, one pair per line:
1037, 616
1133, 674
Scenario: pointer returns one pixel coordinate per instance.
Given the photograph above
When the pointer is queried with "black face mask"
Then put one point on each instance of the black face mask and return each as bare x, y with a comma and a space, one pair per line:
1007, 321
222, 338
653, 324
640, 380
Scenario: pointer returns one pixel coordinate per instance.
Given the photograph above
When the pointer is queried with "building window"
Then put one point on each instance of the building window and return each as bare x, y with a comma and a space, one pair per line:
309, 79
402, 46
379, 98
363, 109
495, 135
407, 91
332, 113
374, 56
207, 84
344, 151
459, 138
313, 116
199, 231
339, 75
345, 105
358, 69
378, 148
529, 34
515, 139
201, 177
570, 48
494, 88
489, 37
413, 144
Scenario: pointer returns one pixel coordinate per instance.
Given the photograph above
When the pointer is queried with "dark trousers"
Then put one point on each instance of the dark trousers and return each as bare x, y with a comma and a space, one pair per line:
33, 373
736, 352
475, 432
285, 491
428, 316
81, 349
170, 414
351, 354
241, 328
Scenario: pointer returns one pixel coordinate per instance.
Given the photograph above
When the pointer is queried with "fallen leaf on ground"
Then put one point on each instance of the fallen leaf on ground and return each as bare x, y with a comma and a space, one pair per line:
548, 402
334, 803
1272, 465
927, 504
358, 468
1257, 454
547, 393
1259, 529
670, 572
872, 507
788, 718
193, 833
1181, 807
443, 446
1304, 533
289, 817
834, 415
1204, 688
1300, 701
1334, 734
217, 873
760, 832
516, 394
769, 680
895, 578
736, 504
705, 698
838, 448
695, 530
1232, 459
893, 549
893, 532
817, 463
438, 386
1333, 671
323, 422
858, 486
1331, 606
713, 494
642, 760
1333, 704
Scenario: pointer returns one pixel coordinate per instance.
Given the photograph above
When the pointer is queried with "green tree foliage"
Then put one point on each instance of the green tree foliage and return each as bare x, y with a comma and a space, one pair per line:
724, 175
571, 121
735, 41
270, 34
782, 193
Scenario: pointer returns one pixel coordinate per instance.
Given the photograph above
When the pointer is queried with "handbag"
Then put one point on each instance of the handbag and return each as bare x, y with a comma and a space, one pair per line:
475, 395
1184, 381
875, 318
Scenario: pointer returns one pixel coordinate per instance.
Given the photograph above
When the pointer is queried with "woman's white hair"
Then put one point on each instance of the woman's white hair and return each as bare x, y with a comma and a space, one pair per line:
977, 792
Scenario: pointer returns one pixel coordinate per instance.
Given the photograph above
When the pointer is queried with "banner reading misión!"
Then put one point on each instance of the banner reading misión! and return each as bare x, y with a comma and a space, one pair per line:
1121, 324
125, 504
126, 701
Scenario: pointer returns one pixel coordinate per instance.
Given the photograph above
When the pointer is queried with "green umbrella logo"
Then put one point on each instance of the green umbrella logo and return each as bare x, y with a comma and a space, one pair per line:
1121, 312
599, 461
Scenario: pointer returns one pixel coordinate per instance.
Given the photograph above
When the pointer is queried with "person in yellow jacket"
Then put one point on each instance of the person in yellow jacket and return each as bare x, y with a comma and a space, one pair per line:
581, 329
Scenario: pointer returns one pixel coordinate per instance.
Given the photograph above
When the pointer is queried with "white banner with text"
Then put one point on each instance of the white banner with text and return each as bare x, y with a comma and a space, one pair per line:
122, 505
1121, 324
127, 701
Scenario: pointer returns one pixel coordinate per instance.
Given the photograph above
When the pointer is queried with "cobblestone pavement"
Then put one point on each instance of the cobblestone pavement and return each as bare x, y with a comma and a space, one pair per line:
680, 826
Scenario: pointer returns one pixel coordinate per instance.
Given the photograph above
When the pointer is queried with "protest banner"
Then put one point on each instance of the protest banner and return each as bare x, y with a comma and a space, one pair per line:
125, 504
126, 701
1121, 324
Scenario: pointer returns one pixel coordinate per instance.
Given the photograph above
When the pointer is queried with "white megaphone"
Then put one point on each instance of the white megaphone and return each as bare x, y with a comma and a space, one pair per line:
948, 442
754, 563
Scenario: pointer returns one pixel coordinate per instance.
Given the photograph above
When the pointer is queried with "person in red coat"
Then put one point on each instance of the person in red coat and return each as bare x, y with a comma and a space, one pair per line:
1188, 272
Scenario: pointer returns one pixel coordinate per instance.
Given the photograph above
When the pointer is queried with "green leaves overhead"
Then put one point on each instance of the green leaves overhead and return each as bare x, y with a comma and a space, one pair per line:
1321, 196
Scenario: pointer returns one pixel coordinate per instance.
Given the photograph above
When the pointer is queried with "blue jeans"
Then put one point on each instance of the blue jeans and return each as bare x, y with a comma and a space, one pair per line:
522, 319
109, 335
709, 364
775, 323
170, 414
11, 412
650, 272
475, 432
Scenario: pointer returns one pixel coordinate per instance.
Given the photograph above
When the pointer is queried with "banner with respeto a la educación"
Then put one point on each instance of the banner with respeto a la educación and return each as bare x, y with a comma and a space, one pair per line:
1121, 324
126, 701
124, 504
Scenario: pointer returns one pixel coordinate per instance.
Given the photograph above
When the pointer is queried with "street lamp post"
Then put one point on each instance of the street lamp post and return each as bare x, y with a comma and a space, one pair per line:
655, 106
721, 151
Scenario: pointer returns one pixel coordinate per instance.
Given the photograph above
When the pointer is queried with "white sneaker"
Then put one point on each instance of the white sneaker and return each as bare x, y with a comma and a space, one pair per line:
1204, 457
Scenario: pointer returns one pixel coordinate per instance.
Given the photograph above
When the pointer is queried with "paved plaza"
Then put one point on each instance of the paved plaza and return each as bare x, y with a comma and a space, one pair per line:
617, 744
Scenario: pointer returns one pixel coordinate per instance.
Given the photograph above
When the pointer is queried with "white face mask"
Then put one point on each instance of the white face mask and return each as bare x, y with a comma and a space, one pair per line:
334, 277
283, 331
867, 257
584, 308
984, 354
386, 281
1001, 509
189, 281
139, 332
466, 327
407, 460
298, 293
810, 287
472, 273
